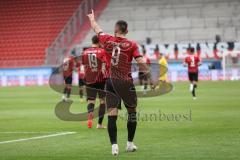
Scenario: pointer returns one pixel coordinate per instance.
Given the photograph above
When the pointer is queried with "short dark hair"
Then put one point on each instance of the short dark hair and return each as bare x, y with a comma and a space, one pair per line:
95, 39
122, 26
192, 50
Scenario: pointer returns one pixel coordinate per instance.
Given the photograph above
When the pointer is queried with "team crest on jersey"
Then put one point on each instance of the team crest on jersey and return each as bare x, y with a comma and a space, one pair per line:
109, 45
125, 45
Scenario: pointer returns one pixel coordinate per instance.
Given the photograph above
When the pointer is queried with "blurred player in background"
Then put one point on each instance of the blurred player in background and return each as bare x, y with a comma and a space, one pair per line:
94, 61
192, 61
163, 68
145, 79
121, 51
69, 63
81, 83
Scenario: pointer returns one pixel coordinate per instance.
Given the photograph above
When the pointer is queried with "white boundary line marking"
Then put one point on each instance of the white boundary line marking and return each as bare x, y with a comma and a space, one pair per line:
38, 137
30, 132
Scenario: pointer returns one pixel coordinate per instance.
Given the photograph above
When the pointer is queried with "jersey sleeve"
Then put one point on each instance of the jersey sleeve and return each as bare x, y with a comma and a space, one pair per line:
103, 37
72, 63
186, 60
83, 59
103, 56
79, 61
136, 52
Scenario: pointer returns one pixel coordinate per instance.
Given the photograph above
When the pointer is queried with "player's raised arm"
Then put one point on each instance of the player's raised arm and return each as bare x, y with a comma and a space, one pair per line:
96, 28
143, 67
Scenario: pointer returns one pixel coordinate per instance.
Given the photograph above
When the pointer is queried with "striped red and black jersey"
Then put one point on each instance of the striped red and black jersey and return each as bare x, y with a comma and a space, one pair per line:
120, 53
193, 62
80, 70
68, 66
94, 61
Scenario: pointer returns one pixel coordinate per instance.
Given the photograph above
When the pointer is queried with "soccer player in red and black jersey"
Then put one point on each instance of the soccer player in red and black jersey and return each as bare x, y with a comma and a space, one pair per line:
69, 64
121, 52
81, 83
94, 61
192, 61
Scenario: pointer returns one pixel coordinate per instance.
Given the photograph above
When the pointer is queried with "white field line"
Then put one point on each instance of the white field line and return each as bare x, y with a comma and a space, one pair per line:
29, 132
38, 137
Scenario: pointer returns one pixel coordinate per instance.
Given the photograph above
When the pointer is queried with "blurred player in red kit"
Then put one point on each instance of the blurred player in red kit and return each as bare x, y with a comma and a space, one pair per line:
94, 61
121, 52
69, 63
81, 83
192, 61
145, 79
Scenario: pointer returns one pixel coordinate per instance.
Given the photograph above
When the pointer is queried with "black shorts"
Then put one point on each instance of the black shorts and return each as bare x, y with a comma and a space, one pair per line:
123, 90
81, 82
142, 76
68, 80
94, 89
193, 76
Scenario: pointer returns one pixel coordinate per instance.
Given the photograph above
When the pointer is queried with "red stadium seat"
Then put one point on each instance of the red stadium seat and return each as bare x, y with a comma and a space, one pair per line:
28, 28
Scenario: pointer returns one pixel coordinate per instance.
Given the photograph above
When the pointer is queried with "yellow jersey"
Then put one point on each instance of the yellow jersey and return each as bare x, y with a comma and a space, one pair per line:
163, 69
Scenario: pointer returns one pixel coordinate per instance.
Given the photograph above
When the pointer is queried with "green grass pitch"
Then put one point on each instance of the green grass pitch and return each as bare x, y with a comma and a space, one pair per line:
212, 131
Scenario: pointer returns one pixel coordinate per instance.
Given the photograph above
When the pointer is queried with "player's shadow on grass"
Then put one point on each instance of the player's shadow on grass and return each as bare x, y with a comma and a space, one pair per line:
62, 110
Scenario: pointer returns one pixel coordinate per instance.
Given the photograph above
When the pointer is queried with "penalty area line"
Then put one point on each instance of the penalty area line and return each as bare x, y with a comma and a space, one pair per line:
38, 137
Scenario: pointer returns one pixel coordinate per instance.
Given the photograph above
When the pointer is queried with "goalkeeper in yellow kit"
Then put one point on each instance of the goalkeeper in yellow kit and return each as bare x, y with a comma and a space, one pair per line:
162, 68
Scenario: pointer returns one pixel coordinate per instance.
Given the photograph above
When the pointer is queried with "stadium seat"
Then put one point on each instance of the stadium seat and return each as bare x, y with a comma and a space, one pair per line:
182, 35
168, 36
229, 34
28, 28
152, 25
139, 25
171, 21
141, 35
197, 22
